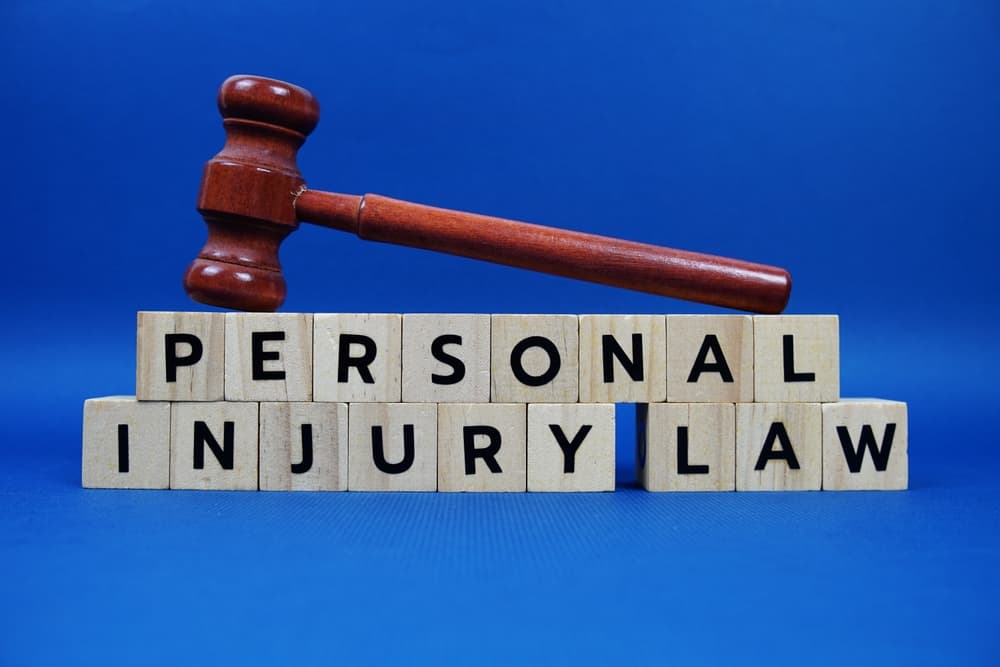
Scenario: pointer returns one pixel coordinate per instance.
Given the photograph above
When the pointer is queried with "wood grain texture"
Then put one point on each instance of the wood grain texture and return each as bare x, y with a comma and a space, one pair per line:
779, 430
446, 358
180, 356
796, 358
303, 446
126, 443
269, 356
710, 358
686, 446
214, 446
392, 447
535, 359
860, 436
571, 447
496, 434
639, 375
370, 347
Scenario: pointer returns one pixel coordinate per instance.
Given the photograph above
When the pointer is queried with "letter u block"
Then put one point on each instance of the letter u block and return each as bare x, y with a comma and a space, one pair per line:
392, 447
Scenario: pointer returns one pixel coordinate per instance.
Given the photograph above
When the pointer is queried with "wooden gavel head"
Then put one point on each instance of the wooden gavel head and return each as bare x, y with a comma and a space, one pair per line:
248, 193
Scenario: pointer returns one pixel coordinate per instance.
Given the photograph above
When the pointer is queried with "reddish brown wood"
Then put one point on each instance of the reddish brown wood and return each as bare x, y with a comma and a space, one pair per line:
253, 196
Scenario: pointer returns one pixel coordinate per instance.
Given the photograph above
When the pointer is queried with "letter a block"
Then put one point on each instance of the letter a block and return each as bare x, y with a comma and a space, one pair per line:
709, 358
571, 447
779, 447
535, 359
357, 358
180, 356
686, 446
213, 446
623, 358
126, 444
268, 357
446, 358
303, 446
796, 358
482, 447
864, 445
392, 447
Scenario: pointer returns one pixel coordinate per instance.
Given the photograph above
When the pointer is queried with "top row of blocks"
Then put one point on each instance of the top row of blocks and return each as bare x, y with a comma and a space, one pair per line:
417, 358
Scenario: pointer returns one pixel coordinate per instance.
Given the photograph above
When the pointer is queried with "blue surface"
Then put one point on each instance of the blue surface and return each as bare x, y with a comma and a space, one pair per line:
854, 143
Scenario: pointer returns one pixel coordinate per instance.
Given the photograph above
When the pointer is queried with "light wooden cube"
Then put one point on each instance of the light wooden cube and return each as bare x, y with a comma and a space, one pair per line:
779, 447
535, 359
686, 446
126, 443
357, 358
446, 358
303, 446
180, 356
710, 359
269, 357
865, 445
623, 358
482, 447
392, 447
796, 358
571, 447
214, 446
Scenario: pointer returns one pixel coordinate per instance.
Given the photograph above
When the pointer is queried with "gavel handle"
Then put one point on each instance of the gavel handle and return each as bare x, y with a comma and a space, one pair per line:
681, 274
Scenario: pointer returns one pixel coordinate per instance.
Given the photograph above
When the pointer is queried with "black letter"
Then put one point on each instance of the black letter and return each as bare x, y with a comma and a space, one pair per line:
701, 365
767, 453
258, 356
174, 361
554, 361
437, 350
345, 360
683, 468
123, 448
203, 436
487, 453
378, 451
880, 457
569, 448
610, 348
307, 451
788, 348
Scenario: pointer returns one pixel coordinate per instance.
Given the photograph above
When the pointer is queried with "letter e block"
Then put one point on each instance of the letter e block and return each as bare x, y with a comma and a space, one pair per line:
535, 359
268, 357
126, 443
482, 447
358, 358
303, 446
864, 445
796, 358
446, 358
180, 356
214, 446
571, 447
392, 447
623, 358
686, 446
709, 358
779, 447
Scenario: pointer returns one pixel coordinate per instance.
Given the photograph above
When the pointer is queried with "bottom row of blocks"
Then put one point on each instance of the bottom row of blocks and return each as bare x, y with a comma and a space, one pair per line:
859, 444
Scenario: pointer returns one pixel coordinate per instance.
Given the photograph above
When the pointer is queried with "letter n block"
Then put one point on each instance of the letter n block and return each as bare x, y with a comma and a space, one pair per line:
214, 446
779, 447
482, 447
796, 358
446, 358
686, 446
303, 446
623, 358
710, 358
865, 445
571, 447
180, 356
269, 357
535, 359
392, 447
357, 358
126, 443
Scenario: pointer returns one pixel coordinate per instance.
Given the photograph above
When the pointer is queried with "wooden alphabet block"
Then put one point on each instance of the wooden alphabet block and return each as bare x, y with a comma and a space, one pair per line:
865, 445
535, 359
269, 357
446, 358
779, 447
214, 446
180, 356
623, 358
126, 443
482, 447
571, 447
357, 358
392, 447
686, 446
796, 358
710, 359
303, 446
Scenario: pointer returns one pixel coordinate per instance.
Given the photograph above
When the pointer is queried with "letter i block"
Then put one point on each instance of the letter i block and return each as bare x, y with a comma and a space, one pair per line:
446, 358
865, 445
357, 358
623, 358
709, 358
482, 447
571, 447
796, 358
180, 356
214, 446
126, 443
392, 447
303, 446
779, 447
268, 357
535, 359
686, 446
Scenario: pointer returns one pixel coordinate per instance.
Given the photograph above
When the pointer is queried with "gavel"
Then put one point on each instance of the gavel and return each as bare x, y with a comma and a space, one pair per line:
253, 196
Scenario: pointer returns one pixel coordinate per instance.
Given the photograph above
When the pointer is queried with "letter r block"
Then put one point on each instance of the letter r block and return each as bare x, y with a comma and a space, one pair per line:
864, 445
571, 447
180, 356
392, 447
358, 357
482, 447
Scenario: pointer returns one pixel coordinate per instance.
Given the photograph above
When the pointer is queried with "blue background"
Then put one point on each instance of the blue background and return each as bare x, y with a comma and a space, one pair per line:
855, 143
